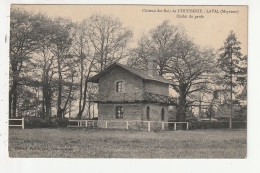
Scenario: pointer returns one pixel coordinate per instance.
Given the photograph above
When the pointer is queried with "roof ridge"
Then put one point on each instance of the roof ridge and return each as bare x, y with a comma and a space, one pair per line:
139, 72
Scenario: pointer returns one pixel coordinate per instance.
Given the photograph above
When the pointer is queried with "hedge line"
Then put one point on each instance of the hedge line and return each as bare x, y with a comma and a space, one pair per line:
217, 125
35, 122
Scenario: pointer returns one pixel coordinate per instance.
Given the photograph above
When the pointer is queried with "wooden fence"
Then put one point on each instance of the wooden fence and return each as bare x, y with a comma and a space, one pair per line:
175, 125
17, 125
94, 123
83, 123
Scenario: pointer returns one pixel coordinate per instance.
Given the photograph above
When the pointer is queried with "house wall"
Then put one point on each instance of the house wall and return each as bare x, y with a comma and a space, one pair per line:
155, 112
155, 115
132, 83
107, 111
131, 112
156, 87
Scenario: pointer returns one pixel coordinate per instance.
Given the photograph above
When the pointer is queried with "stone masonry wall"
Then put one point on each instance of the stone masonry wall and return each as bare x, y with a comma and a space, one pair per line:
156, 87
132, 83
107, 111
131, 112
155, 115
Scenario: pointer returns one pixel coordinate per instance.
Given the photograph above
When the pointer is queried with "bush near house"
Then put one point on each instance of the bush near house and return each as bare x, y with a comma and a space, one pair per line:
217, 125
37, 122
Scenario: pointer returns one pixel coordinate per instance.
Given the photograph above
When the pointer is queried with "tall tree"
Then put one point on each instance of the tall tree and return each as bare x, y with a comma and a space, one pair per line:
99, 42
85, 61
157, 45
43, 66
234, 69
61, 41
178, 58
109, 40
140, 55
24, 39
189, 67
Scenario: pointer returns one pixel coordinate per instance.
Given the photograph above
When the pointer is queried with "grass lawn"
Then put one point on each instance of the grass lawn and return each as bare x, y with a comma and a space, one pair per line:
98, 143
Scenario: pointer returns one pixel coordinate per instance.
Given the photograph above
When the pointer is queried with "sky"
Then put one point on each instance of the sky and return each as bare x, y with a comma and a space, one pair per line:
210, 30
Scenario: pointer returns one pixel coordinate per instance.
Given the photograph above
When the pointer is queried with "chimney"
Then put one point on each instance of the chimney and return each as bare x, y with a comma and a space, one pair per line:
152, 68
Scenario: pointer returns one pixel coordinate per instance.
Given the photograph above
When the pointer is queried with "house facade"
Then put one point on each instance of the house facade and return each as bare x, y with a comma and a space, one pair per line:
128, 94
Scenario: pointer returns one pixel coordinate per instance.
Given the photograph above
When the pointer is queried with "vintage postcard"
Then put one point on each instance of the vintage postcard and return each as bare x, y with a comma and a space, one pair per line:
128, 81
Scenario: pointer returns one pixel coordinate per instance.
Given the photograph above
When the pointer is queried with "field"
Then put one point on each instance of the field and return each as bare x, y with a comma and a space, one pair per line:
98, 143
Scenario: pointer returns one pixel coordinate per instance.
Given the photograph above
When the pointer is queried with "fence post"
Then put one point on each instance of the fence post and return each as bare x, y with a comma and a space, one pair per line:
187, 125
106, 124
86, 123
22, 123
162, 125
149, 126
175, 126
127, 125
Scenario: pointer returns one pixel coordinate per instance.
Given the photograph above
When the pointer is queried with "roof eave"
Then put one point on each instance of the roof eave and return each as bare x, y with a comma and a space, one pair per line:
166, 82
95, 79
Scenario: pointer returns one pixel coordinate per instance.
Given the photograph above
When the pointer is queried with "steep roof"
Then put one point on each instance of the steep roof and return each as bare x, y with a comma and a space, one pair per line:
141, 73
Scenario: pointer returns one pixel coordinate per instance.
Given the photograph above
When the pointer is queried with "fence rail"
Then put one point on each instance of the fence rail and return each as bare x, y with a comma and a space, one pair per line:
84, 123
175, 124
148, 124
17, 125
124, 124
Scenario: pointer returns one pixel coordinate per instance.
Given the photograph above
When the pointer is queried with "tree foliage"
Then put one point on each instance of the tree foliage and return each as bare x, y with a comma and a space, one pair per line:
233, 75
56, 57
108, 39
179, 58
51, 60
232, 62
25, 34
157, 45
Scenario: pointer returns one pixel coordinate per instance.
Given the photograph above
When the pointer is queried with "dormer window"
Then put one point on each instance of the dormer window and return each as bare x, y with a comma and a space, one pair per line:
119, 86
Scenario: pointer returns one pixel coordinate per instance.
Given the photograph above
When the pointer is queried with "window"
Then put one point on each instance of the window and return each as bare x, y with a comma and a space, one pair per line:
119, 86
148, 113
119, 112
162, 114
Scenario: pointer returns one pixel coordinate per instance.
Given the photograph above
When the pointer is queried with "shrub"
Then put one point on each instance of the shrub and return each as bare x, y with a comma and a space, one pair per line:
37, 122
216, 124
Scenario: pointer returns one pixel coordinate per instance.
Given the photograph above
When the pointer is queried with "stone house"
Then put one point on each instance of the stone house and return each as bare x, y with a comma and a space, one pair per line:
129, 94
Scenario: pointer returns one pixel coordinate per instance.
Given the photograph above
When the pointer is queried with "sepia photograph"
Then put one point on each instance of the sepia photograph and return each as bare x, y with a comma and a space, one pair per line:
128, 81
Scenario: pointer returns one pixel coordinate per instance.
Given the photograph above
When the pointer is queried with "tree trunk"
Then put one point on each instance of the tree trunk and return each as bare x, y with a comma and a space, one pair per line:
80, 114
89, 111
181, 108
10, 104
81, 86
48, 107
43, 100
59, 110
84, 98
231, 91
14, 99
70, 109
